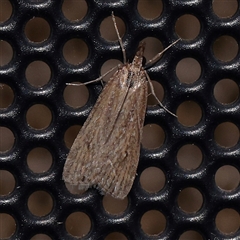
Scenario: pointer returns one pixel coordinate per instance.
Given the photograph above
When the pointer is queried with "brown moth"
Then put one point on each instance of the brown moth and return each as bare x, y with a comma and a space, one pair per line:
106, 151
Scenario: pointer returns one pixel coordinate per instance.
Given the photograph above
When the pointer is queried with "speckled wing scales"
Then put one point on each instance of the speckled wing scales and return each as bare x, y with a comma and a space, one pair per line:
105, 153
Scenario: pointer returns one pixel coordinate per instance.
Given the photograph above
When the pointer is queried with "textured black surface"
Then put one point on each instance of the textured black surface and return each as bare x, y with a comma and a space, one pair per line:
63, 117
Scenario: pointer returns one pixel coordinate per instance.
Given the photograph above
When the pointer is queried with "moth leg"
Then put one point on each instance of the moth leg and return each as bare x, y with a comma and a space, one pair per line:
119, 38
158, 55
154, 94
95, 80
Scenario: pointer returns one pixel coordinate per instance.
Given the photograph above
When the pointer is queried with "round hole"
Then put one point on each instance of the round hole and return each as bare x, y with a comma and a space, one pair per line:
8, 225
189, 157
153, 136
41, 237
188, 70
153, 47
38, 73
6, 53
225, 9
7, 182
71, 134
152, 179
78, 224
187, 27
189, 113
226, 134
225, 48
115, 236
226, 91
39, 116
227, 178
40, 203
150, 9
75, 51
153, 222
39, 160
76, 96
6, 10
6, 96
107, 66
191, 235
74, 10
114, 206
159, 91
108, 31
37, 30
190, 200
227, 221
6, 140
74, 189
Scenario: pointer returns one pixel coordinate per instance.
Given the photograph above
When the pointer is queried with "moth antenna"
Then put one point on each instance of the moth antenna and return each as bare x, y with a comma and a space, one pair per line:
157, 56
119, 38
154, 94
95, 80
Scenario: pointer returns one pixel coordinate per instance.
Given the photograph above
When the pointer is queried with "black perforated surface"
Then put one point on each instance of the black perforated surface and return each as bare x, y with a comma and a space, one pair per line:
176, 135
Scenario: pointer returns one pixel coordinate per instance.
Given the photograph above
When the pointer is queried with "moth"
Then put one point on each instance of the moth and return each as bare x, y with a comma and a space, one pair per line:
106, 151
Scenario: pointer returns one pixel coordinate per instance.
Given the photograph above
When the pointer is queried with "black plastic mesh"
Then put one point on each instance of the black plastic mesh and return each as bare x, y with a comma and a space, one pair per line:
176, 135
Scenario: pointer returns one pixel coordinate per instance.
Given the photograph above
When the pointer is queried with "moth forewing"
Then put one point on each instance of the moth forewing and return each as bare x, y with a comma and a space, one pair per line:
105, 153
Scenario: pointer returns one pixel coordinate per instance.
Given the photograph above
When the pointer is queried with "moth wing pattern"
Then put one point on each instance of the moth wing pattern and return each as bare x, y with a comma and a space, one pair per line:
106, 152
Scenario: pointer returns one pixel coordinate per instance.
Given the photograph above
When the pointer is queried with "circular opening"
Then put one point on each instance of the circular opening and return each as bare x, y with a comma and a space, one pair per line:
37, 30
225, 48
226, 91
76, 96
188, 235
39, 160
108, 31
39, 116
153, 47
189, 157
6, 53
225, 9
40, 203
153, 222
71, 134
189, 113
153, 136
190, 200
159, 91
152, 179
6, 140
7, 182
6, 10
227, 178
114, 206
107, 66
6, 96
74, 189
74, 10
8, 225
75, 51
41, 237
38, 73
226, 134
188, 70
150, 9
78, 224
115, 236
227, 221
187, 27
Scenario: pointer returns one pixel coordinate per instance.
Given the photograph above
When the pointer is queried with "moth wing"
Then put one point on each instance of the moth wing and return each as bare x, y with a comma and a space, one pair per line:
106, 151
